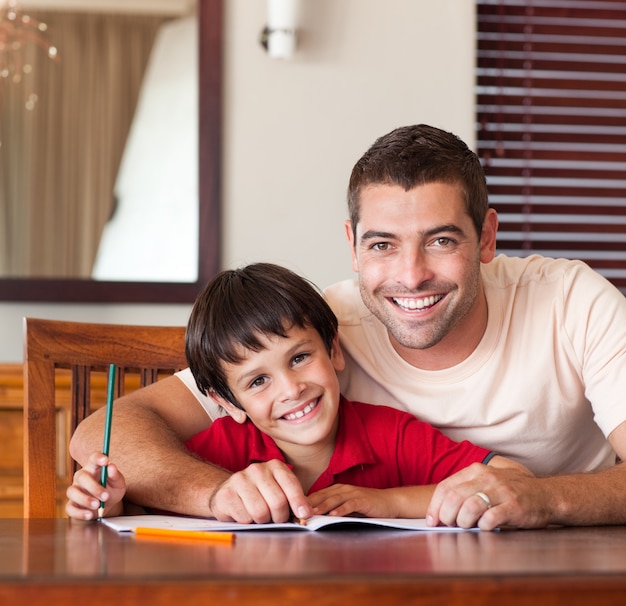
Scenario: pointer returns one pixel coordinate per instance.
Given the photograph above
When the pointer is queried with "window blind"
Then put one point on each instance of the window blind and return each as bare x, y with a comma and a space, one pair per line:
551, 127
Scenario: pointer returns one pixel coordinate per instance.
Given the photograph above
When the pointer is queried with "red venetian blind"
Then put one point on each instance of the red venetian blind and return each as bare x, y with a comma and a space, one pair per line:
551, 105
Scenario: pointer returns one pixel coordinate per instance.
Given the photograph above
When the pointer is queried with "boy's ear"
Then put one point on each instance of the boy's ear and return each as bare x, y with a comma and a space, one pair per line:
336, 355
235, 412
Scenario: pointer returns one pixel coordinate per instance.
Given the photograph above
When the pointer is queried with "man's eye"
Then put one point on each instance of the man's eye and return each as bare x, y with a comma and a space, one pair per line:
381, 246
443, 242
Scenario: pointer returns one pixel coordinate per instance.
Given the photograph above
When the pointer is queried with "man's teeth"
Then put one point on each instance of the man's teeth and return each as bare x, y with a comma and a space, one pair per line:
305, 411
412, 303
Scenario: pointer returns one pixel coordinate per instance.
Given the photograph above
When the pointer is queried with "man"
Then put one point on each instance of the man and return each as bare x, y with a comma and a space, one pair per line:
526, 357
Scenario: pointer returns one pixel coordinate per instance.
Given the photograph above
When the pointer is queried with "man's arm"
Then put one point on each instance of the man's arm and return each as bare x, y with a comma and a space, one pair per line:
522, 501
148, 431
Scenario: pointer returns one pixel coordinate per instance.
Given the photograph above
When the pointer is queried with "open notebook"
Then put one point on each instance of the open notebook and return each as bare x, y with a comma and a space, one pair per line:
172, 522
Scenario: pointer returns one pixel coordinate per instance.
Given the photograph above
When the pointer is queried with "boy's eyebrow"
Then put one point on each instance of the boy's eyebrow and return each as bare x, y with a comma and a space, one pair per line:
242, 380
245, 377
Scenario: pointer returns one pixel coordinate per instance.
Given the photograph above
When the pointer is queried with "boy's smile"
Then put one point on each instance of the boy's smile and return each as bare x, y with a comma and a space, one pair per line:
302, 412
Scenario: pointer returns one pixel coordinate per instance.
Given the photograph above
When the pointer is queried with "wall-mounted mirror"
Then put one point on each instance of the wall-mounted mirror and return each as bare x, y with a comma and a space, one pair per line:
145, 215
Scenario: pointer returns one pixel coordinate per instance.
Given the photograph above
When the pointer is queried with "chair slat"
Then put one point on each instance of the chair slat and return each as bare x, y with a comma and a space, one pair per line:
151, 352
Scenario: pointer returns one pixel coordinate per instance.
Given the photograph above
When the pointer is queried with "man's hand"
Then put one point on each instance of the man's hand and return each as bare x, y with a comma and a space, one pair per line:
490, 497
261, 493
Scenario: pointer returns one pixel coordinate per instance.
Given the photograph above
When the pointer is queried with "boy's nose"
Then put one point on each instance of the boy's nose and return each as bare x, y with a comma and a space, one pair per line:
291, 386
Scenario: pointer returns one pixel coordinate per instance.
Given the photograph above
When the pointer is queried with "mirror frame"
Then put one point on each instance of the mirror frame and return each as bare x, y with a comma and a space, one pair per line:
209, 14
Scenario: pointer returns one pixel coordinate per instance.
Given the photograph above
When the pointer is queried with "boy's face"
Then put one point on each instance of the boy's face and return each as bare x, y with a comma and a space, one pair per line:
289, 390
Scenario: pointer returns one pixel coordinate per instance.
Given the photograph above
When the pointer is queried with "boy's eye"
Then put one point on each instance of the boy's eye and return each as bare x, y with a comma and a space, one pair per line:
298, 358
258, 382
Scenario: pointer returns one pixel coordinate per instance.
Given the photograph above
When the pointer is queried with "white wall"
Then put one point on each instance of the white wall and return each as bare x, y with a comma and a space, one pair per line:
293, 130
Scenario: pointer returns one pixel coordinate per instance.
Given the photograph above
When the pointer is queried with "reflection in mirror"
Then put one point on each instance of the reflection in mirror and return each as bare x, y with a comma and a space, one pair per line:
157, 182
84, 193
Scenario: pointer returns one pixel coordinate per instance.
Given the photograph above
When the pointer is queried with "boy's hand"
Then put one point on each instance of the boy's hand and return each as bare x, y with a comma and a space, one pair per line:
261, 493
86, 492
344, 499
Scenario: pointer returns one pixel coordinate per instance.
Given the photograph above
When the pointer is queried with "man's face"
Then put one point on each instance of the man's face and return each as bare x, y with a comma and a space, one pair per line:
418, 258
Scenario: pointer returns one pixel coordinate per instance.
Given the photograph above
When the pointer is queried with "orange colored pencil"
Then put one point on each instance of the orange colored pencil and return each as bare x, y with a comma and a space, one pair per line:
170, 533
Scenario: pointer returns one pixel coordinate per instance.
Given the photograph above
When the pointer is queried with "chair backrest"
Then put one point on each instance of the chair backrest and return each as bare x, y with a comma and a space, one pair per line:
84, 350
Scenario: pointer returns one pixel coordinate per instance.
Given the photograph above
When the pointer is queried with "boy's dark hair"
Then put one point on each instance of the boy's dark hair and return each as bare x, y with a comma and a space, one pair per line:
237, 307
416, 155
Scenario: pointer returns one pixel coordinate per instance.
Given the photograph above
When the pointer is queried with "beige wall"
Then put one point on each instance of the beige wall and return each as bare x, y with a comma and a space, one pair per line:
293, 129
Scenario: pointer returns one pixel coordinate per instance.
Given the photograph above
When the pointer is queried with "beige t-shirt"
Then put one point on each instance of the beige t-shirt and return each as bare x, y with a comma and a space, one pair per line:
545, 385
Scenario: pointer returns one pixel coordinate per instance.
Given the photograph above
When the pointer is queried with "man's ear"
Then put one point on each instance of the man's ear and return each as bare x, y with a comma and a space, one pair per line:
235, 412
488, 236
350, 235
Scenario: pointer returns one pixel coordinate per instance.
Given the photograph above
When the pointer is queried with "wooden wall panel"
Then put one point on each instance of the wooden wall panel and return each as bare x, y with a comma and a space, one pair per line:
12, 433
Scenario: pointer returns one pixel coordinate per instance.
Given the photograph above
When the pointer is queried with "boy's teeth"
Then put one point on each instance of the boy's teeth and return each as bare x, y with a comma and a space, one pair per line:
406, 303
305, 411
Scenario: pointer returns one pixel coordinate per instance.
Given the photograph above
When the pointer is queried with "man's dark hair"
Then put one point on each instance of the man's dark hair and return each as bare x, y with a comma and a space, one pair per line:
416, 155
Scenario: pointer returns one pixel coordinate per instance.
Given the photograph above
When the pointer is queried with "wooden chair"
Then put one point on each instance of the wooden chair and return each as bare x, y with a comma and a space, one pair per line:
142, 353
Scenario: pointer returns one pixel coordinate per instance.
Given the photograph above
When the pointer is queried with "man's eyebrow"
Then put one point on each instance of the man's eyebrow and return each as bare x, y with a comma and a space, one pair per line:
373, 234
454, 229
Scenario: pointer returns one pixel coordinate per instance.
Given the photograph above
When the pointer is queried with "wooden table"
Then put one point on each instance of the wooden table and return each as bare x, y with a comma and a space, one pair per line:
58, 562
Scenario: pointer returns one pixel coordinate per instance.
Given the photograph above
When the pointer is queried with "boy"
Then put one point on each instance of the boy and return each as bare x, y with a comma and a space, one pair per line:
263, 342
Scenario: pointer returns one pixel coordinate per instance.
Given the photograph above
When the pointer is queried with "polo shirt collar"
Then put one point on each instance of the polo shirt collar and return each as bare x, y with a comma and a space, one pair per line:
352, 444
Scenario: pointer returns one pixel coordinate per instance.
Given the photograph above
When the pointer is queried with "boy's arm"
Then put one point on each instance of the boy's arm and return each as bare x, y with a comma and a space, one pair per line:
345, 499
402, 502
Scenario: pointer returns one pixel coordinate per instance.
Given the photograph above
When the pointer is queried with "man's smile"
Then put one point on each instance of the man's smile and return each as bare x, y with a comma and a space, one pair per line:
414, 303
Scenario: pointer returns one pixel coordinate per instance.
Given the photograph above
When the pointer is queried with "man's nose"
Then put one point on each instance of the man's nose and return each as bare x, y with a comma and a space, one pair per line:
413, 268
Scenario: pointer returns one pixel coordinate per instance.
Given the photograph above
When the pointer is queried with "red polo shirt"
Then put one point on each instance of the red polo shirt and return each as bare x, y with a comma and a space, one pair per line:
376, 447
